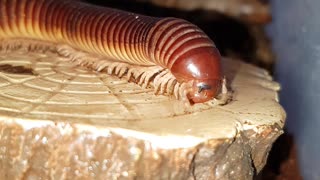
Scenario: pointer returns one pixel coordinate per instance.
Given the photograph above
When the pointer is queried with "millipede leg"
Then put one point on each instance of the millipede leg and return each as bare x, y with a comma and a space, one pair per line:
28, 45
150, 74
225, 95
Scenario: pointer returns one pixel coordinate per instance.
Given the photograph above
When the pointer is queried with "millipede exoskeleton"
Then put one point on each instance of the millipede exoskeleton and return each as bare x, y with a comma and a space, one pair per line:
173, 55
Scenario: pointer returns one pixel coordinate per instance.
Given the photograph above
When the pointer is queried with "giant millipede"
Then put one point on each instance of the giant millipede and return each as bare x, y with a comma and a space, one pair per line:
173, 55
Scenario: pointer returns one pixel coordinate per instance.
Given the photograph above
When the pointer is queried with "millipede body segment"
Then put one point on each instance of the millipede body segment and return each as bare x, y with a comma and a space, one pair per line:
178, 47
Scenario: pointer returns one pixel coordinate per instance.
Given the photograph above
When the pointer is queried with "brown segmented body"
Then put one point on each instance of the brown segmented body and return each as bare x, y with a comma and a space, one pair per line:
171, 43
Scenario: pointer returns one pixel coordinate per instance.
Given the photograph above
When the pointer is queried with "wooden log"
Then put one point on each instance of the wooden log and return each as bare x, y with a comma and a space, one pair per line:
62, 121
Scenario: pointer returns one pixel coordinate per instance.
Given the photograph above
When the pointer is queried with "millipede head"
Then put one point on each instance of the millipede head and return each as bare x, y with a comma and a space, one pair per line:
200, 69
203, 90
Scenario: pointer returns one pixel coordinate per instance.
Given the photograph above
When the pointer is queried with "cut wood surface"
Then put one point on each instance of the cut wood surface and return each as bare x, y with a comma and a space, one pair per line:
62, 121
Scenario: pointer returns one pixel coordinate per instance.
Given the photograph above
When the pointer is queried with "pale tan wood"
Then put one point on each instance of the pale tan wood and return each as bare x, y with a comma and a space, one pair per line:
62, 121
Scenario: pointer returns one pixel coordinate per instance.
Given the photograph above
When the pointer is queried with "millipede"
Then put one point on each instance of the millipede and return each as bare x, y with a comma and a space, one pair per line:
170, 54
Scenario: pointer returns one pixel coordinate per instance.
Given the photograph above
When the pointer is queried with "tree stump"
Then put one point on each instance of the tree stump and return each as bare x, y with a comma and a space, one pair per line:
62, 121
